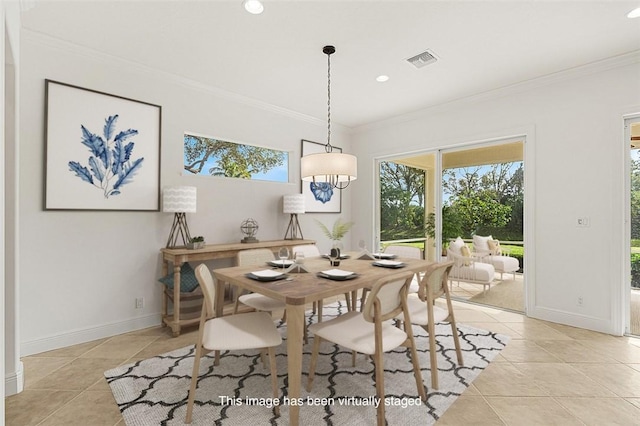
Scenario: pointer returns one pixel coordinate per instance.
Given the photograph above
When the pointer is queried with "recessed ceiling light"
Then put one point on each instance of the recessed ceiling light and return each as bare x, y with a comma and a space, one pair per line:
635, 13
382, 78
254, 7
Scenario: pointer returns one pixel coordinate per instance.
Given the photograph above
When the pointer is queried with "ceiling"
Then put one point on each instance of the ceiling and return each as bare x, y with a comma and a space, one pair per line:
277, 58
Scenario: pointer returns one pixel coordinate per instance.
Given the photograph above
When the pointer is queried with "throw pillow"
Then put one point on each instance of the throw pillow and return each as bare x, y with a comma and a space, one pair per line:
494, 246
188, 280
455, 246
480, 243
464, 251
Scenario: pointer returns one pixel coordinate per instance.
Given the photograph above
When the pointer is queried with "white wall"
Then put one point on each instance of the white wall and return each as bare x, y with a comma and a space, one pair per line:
81, 271
574, 121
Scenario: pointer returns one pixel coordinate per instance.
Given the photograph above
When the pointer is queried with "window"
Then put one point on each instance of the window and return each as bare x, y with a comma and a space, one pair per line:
215, 157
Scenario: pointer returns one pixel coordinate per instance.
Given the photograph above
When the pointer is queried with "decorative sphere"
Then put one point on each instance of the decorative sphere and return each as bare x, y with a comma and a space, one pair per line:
249, 227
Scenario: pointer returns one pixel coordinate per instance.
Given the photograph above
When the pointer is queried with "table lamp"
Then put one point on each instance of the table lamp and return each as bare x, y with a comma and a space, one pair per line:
294, 205
179, 200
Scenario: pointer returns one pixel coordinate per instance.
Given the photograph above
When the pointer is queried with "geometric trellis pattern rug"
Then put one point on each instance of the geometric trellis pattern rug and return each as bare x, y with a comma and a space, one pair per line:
238, 391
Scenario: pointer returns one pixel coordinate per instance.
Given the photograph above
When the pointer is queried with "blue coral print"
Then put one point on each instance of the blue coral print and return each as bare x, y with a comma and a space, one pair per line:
110, 164
322, 191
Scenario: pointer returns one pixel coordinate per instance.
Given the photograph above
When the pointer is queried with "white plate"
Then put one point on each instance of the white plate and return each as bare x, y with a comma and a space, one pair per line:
266, 273
384, 255
388, 262
337, 273
281, 263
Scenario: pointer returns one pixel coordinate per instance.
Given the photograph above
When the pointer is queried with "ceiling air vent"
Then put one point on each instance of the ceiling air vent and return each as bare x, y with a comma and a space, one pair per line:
422, 59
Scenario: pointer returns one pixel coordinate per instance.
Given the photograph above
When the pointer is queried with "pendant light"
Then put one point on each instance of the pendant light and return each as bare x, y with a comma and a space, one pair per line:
333, 167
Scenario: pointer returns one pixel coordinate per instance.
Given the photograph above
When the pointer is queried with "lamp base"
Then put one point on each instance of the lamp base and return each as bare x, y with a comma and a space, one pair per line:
249, 240
179, 229
293, 229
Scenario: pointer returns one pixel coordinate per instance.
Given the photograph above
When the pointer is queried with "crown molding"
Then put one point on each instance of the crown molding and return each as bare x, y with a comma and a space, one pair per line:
83, 51
524, 86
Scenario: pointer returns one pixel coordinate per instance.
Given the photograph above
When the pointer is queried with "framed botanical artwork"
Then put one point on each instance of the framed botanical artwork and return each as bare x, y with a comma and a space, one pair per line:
320, 197
102, 151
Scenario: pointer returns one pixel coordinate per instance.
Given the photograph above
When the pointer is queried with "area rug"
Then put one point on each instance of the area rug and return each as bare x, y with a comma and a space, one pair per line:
238, 392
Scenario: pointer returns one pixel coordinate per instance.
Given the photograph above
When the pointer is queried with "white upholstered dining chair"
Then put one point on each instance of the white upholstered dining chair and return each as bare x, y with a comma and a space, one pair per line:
253, 330
371, 333
259, 302
424, 312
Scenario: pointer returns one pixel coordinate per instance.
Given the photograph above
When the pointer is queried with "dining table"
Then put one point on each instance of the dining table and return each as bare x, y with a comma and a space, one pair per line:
299, 289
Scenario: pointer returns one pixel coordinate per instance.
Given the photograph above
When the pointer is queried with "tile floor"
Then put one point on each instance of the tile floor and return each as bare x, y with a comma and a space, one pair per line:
548, 374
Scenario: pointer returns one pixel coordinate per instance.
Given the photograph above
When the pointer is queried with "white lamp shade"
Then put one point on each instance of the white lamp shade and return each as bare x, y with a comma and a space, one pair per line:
179, 199
293, 203
320, 167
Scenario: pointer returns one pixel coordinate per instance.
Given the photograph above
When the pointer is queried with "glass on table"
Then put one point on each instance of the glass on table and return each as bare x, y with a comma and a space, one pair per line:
283, 254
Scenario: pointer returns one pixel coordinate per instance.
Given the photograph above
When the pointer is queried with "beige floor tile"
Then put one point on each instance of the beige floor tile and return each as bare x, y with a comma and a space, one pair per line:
537, 331
635, 366
503, 379
602, 411
72, 351
468, 317
157, 331
89, 408
496, 327
35, 368
621, 379
470, 410
579, 333
617, 348
162, 346
634, 401
531, 411
77, 375
120, 347
471, 391
506, 316
573, 351
527, 351
30, 407
560, 379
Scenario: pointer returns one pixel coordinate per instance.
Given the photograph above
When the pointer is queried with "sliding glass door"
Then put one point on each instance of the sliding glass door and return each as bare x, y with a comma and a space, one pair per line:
430, 198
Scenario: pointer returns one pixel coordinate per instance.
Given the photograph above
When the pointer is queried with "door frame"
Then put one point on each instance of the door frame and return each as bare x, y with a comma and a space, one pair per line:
627, 120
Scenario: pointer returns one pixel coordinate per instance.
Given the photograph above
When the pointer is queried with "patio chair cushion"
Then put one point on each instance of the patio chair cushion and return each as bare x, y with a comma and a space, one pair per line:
481, 243
478, 272
503, 263
456, 246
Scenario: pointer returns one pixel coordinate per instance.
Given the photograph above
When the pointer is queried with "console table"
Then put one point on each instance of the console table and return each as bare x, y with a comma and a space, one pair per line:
178, 256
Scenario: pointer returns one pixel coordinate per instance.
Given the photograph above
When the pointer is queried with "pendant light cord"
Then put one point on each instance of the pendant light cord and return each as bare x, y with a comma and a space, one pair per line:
328, 148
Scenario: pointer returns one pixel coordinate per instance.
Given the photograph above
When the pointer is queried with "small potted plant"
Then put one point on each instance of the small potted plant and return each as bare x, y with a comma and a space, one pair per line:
335, 234
196, 243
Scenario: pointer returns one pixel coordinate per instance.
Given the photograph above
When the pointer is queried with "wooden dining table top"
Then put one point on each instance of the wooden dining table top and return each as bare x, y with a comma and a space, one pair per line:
304, 287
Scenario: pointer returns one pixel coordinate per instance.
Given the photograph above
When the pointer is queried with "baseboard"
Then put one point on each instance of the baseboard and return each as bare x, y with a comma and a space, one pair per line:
14, 382
88, 334
573, 319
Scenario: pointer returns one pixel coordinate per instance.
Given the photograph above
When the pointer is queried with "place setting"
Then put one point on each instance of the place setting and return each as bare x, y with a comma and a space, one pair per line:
337, 274
267, 275
386, 263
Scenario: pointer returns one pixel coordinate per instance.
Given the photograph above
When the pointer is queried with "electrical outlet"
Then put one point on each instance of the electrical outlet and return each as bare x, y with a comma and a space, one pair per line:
580, 300
582, 222
139, 302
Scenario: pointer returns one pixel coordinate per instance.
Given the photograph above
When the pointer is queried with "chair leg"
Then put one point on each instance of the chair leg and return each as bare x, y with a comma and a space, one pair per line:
194, 382
262, 358
347, 298
320, 306
433, 360
314, 359
379, 369
274, 376
416, 367
363, 297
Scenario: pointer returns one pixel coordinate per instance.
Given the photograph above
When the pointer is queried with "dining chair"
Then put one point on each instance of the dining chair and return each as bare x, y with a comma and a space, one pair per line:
371, 333
424, 312
253, 330
400, 251
410, 252
259, 302
311, 250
